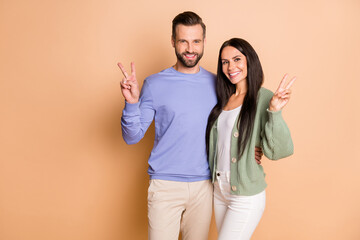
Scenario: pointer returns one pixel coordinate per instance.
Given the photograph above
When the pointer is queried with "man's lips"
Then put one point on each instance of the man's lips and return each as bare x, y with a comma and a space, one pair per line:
190, 56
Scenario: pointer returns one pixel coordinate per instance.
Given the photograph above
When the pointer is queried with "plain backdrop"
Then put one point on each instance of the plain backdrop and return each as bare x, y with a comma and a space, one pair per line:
67, 174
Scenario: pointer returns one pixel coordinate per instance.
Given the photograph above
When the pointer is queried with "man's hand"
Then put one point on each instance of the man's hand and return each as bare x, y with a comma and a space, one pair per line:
258, 155
129, 85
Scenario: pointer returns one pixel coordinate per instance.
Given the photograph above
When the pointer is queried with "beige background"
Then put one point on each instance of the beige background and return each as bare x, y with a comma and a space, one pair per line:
66, 173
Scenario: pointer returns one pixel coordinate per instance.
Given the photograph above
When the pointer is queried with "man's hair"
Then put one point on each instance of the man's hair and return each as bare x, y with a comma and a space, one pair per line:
188, 19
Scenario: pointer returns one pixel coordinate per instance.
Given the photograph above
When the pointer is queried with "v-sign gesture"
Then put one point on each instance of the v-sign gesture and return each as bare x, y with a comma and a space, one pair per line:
129, 85
282, 95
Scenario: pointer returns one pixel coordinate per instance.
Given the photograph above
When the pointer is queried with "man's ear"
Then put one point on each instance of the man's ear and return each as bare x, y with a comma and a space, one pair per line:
172, 41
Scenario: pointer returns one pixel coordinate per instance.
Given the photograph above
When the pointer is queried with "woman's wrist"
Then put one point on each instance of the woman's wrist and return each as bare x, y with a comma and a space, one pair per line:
273, 109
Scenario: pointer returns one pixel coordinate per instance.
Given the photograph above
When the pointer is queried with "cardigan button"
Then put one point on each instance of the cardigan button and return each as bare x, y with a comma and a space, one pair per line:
233, 188
236, 134
233, 160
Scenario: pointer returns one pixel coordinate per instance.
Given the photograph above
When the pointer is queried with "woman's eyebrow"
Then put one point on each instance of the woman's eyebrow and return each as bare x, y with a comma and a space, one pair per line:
232, 58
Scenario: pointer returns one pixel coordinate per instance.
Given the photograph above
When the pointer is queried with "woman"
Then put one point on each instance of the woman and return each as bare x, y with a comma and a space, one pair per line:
245, 116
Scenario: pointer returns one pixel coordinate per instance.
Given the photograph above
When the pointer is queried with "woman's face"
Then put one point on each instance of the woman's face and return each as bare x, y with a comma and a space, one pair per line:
234, 64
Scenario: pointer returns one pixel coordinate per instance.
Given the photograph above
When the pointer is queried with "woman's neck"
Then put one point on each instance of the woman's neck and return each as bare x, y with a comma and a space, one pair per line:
241, 88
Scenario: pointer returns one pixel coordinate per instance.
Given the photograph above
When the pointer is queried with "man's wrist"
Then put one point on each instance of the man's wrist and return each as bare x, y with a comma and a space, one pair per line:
132, 101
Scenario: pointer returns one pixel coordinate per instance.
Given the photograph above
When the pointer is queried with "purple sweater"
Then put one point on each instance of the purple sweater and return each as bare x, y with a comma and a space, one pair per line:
180, 104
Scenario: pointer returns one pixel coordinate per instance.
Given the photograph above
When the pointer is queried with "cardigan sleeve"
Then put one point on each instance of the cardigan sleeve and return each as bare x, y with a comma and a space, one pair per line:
276, 140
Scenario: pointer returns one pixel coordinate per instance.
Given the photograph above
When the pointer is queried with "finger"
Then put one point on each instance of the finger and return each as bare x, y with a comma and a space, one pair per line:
278, 94
258, 162
290, 83
286, 92
282, 83
124, 80
132, 83
123, 85
123, 70
133, 68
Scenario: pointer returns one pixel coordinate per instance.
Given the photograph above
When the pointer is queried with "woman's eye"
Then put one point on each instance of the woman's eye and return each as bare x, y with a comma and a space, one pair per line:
237, 59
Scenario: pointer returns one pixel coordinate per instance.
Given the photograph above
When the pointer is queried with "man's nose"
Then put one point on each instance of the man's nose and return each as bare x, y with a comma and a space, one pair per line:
189, 48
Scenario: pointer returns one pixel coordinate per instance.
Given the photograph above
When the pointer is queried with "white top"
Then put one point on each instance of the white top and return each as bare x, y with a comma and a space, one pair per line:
225, 125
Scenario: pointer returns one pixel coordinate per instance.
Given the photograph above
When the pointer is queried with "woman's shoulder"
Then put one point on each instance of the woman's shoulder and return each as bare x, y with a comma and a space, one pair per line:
264, 95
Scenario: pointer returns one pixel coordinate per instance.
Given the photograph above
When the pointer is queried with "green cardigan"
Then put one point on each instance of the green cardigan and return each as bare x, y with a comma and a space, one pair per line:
270, 132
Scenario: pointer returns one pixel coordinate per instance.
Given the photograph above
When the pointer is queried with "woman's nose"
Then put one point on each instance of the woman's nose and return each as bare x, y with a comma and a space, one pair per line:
231, 65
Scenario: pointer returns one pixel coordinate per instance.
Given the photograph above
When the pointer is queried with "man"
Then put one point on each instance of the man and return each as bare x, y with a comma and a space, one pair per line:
180, 99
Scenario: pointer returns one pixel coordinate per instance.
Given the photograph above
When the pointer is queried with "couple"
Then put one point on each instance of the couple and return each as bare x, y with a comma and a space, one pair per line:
197, 158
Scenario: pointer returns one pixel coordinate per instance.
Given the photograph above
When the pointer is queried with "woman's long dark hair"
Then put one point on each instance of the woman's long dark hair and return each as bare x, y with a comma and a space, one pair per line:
224, 90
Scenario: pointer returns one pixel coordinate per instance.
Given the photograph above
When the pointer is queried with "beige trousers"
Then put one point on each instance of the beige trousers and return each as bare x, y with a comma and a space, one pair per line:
175, 206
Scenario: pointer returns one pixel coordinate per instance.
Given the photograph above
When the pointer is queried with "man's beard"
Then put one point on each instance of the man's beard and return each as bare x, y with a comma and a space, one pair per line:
188, 63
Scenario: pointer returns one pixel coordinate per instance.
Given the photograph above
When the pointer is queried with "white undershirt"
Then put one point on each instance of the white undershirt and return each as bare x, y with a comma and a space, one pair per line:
225, 126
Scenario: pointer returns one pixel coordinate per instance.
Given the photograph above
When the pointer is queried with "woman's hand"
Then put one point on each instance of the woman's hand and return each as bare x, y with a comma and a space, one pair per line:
129, 85
282, 95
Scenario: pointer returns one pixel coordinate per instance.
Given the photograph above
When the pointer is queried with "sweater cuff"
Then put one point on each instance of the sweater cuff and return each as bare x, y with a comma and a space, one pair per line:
274, 116
131, 107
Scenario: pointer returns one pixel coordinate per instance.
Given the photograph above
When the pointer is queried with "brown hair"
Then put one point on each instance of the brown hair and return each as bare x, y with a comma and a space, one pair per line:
224, 90
188, 19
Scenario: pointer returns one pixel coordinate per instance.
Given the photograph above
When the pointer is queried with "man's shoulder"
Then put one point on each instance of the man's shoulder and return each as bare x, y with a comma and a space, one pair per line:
164, 73
208, 73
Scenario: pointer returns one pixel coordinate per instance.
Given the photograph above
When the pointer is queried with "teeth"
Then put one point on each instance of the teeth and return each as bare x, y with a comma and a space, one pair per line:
233, 74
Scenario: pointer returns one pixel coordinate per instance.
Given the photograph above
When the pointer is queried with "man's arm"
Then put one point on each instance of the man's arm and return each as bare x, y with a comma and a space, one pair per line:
138, 112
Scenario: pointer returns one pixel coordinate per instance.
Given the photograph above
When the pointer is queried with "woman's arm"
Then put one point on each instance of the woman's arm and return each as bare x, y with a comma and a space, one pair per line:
275, 138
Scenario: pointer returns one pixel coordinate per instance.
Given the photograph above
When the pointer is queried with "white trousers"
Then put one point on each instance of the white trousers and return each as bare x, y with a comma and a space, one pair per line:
236, 216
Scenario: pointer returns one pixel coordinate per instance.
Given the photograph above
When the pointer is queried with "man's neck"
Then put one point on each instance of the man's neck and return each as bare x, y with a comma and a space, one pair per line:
181, 68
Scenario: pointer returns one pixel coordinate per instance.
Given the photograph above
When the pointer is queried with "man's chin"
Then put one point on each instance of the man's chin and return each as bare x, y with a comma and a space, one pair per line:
190, 64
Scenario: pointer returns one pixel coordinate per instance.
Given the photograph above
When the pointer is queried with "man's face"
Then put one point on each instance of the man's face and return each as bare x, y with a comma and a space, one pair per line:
189, 44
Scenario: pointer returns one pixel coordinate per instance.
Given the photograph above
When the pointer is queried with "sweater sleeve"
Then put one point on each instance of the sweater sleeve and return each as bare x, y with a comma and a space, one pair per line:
276, 140
137, 117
